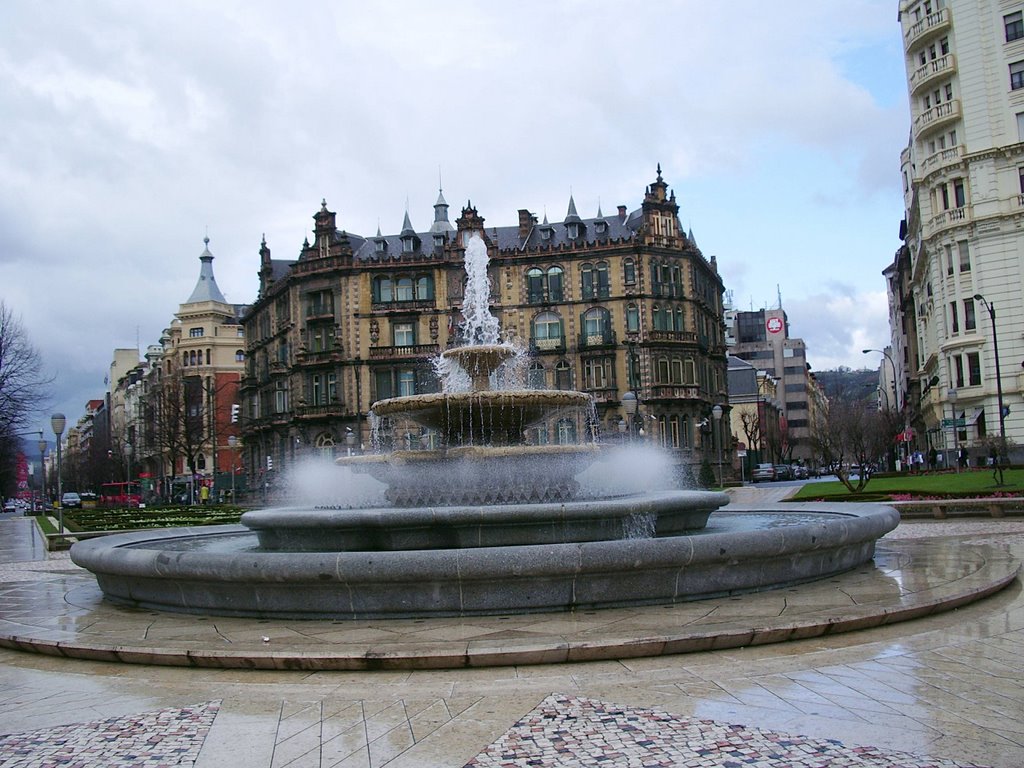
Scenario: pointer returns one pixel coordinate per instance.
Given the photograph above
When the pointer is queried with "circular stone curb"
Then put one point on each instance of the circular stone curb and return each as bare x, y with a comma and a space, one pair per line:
66, 616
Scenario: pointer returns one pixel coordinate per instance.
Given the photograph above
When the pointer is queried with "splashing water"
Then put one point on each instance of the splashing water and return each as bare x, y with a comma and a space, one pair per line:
479, 326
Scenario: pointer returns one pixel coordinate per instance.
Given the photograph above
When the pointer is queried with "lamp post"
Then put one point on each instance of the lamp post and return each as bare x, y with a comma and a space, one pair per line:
350, 439
999, 379
895, 384
42, 470
232, 443
128, 488
57, 423
629, 405
716, 412
951, 395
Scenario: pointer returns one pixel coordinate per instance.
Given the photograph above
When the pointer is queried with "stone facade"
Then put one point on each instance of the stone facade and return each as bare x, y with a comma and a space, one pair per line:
963, 252
606, 305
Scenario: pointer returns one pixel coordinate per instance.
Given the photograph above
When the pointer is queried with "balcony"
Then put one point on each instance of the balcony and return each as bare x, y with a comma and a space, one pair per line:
924, 30
678, 336
404, 353
674, 392
951, 218
404, 305
595, 340
331, 410
943, 66
320, 312
550, 344
936, 118
604, 394
941, 159
320, 357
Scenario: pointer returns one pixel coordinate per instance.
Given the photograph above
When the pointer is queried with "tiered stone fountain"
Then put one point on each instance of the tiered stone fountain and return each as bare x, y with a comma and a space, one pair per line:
483, 524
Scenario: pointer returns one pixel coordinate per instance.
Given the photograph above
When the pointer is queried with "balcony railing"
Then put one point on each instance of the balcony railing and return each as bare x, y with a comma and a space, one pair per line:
401, 305
550, 344
591, 340
398, 353
307, 357
942, 66
320, 411
683, 336
952, 217
674, 392
320, 312
941, 159
926, 28
937, 117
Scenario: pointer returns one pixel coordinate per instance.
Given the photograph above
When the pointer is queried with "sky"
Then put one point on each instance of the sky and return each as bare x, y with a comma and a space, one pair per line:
131, 131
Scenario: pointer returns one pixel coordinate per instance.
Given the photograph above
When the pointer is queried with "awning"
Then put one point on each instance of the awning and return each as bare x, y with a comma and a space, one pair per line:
978, 414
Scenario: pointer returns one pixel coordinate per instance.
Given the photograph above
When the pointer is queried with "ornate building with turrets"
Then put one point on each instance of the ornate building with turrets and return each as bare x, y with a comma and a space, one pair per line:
624, 307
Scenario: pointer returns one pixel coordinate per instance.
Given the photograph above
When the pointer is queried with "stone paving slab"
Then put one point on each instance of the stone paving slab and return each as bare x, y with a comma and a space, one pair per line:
51, 607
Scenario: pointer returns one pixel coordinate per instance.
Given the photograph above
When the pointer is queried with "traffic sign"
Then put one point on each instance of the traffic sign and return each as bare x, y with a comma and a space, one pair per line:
949, 423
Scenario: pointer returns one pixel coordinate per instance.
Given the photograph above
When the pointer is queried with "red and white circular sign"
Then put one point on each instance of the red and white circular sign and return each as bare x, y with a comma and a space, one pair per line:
774, 325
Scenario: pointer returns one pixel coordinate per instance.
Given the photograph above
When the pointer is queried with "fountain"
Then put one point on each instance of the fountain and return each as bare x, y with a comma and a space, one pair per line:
482, 523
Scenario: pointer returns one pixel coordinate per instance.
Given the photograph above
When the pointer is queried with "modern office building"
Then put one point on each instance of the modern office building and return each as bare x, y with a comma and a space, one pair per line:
609, 305
955, 286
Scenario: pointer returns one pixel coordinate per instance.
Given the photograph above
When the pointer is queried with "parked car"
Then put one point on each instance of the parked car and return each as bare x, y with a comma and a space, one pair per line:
71, 500
783, 472
763, 473
800, 472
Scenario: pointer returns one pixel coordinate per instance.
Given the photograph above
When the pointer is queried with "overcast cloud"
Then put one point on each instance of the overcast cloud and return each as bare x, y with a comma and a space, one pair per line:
131, 130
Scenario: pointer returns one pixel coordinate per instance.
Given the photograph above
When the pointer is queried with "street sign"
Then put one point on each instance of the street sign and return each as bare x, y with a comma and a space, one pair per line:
949, 423
741, 454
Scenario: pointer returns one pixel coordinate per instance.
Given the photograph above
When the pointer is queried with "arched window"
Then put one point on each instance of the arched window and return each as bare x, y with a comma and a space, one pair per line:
201, 461
325, 445
184, 358
601, 276
587, 281
192, 358
555, 284
679, 319
597, 326
207, 356
404, 289
563, 375
535, 286
660, 318
239, 355
629, 271
538, 376
663, 371
632, 318
547, 331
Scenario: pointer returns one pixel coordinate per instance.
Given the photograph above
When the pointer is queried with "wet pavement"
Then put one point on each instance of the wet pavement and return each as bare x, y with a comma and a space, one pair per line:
941, 690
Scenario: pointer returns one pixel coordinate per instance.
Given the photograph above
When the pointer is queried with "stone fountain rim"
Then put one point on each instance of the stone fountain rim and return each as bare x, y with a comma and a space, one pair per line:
499, 397
470, 452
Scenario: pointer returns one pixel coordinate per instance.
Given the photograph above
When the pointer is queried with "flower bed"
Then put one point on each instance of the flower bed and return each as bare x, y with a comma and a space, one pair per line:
123, 519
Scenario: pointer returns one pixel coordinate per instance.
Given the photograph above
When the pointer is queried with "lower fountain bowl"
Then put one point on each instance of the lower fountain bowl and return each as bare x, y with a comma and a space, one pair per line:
222, 571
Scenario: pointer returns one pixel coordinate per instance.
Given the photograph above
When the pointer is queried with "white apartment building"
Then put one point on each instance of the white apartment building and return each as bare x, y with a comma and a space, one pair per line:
963, 179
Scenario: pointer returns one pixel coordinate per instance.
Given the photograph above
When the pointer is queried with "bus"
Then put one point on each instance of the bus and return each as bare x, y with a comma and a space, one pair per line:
121, 494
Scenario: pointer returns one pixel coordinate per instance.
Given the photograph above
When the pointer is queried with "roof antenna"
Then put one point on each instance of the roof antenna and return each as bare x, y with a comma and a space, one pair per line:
778, 290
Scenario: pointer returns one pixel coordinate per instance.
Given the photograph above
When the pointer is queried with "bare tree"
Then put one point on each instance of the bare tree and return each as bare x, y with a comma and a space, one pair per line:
852, 433
22, 390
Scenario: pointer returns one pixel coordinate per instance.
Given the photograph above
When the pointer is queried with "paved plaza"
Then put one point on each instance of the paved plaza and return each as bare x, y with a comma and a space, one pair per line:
941, 690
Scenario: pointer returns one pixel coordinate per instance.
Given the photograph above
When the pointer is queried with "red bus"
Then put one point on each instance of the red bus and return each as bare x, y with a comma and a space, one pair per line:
121, 494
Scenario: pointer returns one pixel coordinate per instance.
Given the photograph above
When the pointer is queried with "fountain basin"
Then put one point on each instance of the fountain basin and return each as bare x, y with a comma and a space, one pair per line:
221, 570
340, 530
477, 474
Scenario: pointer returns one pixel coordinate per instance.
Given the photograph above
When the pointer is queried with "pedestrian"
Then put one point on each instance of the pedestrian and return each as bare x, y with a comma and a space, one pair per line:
963, 458
993, 460
918, 459
933, 459
204, 494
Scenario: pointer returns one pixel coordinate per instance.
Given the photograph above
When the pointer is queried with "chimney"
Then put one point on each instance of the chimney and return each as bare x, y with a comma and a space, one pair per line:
526, 222
622, 213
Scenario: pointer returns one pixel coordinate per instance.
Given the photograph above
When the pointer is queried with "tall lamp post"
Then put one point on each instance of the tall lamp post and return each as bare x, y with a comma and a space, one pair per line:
42, 471
951, 396
999, 379
232, 443
629, 405
57, 423
895, 383
716, 412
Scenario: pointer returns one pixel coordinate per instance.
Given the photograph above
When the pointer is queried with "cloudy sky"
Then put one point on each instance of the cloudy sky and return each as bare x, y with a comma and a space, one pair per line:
132, 130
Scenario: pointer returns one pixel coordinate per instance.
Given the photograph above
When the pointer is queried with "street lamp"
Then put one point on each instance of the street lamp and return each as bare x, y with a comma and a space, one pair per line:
629, 405
232, 443
895, 384
951, 396
350, 439
999, 379
128, 488
57, 423
42, 471
716, 412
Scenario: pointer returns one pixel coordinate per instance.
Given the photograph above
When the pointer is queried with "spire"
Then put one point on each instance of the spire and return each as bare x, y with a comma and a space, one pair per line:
206, 288
441, 223
407, 229
572, 216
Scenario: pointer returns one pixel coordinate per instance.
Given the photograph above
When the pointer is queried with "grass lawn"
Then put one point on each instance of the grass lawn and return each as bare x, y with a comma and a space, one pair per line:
967, 484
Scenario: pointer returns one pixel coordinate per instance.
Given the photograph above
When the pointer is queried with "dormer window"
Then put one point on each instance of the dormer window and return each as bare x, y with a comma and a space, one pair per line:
573, 231
381, 245
545, 233
438, 242
601, 227
408, 244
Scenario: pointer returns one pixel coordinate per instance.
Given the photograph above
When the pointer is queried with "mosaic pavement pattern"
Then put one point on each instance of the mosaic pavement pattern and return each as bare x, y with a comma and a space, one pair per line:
159, 739
571, 730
